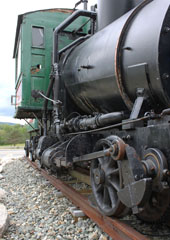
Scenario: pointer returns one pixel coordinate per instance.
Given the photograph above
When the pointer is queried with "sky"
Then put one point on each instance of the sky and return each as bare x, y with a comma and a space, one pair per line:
8, 20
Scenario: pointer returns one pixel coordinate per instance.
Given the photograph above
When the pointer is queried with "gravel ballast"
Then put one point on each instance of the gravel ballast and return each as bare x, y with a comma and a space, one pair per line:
36, 213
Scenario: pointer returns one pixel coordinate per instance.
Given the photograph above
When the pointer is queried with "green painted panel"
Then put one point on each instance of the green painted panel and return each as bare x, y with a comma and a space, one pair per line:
37, 83
38, 65
36, 60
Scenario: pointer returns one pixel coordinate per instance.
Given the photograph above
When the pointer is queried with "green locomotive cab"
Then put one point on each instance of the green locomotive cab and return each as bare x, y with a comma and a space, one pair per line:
33, 55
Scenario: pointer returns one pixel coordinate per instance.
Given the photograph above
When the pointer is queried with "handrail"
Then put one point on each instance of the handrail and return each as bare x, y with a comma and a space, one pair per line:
65, 24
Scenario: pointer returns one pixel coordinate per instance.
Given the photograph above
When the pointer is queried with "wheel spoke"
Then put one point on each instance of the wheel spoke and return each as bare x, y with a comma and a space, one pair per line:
113, 196
94, 171
106, 197
99, 188
101, 160
108, 163
115, 184
106, 159
113, 172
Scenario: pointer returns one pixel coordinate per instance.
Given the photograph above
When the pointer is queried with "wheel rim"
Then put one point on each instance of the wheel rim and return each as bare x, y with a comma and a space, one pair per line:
32, 156
26, 152
156, 207
106, 181
26, 149
158, 203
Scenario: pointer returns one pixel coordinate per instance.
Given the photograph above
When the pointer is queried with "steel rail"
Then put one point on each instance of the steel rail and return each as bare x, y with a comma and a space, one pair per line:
116, 229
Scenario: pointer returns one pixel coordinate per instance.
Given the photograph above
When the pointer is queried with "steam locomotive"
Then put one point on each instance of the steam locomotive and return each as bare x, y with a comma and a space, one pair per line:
101, 99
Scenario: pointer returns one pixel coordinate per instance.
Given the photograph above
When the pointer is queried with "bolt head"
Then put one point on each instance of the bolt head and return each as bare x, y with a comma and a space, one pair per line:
166, 30
136, 177
165, 76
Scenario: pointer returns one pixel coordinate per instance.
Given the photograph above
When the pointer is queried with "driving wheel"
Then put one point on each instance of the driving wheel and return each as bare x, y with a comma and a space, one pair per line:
106, 181
156, 207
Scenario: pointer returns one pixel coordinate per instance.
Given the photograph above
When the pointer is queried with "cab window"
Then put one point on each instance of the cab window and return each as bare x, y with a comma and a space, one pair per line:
37, 37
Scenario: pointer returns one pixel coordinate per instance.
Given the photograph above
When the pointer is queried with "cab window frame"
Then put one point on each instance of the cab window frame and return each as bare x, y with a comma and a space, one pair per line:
35, 41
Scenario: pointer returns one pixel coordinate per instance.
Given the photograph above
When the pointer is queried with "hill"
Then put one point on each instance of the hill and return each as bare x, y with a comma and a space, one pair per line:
8, 123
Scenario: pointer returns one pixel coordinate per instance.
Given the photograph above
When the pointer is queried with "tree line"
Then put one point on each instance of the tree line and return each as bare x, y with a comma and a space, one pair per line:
12, 134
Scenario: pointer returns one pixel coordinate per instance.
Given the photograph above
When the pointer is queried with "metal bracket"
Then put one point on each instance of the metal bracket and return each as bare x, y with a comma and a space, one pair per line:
137, 106
137, 187
13, 100
141, 95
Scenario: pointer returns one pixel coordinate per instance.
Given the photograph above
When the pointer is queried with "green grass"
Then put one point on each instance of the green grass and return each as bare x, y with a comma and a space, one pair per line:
17, 146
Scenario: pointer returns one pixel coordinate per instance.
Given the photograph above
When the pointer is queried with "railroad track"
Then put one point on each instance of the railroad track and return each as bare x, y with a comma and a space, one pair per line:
115, 228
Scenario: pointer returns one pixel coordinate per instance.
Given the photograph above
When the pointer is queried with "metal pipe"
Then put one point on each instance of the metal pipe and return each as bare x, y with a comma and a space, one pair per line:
85, 123
85, 4
110, 10
46, 105
77, 41
110, 118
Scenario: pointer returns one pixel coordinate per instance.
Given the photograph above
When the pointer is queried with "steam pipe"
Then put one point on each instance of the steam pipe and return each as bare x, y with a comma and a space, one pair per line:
85, 123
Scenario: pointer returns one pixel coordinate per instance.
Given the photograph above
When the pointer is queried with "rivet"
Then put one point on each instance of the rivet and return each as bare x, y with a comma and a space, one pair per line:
136, 177
128, 137
165, 76
166, 30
